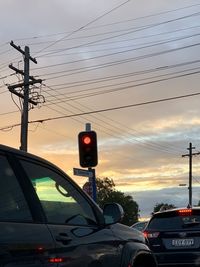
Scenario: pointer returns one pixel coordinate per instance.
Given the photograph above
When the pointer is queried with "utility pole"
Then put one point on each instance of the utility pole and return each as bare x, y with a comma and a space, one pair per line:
190, 170
28, 80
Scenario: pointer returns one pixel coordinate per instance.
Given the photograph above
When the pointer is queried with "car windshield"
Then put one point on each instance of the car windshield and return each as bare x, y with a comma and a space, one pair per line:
139, 226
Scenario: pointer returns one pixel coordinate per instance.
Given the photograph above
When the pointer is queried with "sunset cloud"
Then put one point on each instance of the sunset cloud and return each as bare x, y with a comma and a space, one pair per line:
93, 57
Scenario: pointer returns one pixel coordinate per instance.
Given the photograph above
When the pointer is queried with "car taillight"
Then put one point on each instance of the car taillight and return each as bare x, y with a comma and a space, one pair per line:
150, 234
185, 212
55, 260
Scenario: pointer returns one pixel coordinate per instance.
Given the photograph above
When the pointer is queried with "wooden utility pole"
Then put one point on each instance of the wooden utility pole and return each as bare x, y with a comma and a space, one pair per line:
28, 80
190, 170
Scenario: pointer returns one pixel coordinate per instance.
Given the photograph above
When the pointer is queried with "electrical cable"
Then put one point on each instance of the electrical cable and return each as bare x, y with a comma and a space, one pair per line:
119, 52
126, 33
87, 24
139, 140
126, 75
119, 76
114, 63
107, 109
125, 40
128, 87
109, 24
150, 145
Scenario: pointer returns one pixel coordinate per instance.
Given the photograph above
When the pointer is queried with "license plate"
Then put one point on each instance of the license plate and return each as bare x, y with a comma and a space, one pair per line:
183, 242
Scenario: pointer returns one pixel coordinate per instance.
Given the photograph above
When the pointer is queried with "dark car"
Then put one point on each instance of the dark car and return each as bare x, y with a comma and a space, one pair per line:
46, 220
174, 236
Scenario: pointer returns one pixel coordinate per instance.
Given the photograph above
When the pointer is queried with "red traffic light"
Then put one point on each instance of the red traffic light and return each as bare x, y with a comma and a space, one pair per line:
86, 139
87, 142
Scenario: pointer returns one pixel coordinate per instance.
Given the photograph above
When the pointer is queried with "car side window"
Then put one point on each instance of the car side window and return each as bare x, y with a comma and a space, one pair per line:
61, 201
13, 206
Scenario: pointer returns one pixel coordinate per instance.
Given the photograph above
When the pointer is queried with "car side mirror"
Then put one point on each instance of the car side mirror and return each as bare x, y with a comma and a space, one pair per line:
113, 213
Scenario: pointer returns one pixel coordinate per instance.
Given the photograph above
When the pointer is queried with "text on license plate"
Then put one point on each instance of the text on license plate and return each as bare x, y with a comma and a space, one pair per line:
183, 242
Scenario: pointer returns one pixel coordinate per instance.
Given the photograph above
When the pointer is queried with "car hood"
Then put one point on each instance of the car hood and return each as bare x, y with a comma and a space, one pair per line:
126, 233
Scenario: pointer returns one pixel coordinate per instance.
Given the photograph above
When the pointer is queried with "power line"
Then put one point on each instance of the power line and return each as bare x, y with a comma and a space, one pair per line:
124, 40
114, 63
140, 28
196, 179
147, 16
149, 145
126, 33
114, 128
136, 45
125, 75
128, 87
119, 52
120, 107
107, 109
119, 76
108, 24
9, 112
4, 65
105, 25
1, 93
87, 24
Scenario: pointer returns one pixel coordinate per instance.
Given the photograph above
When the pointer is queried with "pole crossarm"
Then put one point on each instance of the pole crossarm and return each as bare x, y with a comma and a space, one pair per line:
24, 84
193, 154
22, 51
20, 71
22, 96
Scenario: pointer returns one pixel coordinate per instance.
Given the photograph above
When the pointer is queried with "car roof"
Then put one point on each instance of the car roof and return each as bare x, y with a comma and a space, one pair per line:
15, 150
25, 154
167, 212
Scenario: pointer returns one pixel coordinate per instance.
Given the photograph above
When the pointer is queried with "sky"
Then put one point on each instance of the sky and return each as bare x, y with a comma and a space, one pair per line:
133, 64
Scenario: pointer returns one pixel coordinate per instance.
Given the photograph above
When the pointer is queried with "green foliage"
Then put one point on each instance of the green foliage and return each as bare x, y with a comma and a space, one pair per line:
106, 193
163, 206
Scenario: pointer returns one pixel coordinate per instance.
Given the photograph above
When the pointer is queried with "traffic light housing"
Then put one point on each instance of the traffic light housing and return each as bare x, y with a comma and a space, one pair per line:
88, 155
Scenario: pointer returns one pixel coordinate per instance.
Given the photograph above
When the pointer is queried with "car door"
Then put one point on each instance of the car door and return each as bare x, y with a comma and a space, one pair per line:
73, 220
23, 242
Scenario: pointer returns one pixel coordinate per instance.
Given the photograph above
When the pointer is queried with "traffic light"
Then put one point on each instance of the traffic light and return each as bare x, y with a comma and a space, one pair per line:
87, 142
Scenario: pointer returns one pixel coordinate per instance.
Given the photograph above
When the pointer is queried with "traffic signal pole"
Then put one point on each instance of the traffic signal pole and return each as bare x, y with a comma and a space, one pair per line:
92, 179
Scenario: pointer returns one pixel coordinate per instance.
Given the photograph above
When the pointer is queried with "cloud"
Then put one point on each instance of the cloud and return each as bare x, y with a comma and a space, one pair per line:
141, 147
177, 196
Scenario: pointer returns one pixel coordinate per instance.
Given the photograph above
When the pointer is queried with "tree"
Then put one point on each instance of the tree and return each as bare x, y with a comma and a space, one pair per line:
163, 206
106, 193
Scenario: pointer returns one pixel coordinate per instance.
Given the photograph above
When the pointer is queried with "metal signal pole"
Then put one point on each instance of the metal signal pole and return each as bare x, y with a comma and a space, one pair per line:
92, 180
